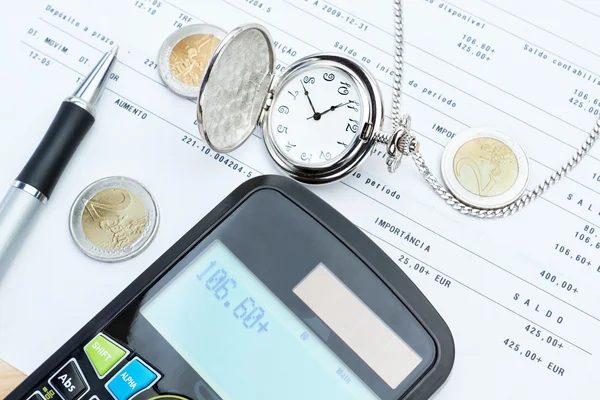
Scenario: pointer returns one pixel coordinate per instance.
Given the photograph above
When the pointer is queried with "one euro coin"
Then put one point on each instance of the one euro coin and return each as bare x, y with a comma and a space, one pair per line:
485, 168
113, 219
184, 55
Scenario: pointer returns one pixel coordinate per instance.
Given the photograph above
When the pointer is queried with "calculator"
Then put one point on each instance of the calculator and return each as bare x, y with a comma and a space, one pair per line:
272, 295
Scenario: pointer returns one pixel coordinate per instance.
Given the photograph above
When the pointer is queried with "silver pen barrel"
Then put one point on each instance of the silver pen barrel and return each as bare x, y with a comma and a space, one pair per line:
38, 178
18, 210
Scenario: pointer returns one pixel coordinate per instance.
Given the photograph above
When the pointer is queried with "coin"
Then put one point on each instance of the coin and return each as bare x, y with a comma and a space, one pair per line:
113, 219
484, 168
184, 55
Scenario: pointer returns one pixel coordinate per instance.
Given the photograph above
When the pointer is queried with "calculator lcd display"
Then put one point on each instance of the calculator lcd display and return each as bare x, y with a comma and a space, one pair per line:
358, 326
243, 340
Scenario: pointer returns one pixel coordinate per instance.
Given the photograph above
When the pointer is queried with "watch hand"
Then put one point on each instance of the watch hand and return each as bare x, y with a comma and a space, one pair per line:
315, 115
334, 107
330, 109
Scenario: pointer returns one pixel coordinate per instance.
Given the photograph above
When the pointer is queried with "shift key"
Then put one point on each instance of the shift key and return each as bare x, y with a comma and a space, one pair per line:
104, 354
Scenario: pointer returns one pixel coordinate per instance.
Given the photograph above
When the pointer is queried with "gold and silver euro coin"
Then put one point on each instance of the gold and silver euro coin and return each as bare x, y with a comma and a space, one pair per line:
113, 219
184, 55
484, 168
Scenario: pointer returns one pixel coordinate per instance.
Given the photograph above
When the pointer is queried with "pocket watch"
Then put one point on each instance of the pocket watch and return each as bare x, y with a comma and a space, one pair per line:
320, 118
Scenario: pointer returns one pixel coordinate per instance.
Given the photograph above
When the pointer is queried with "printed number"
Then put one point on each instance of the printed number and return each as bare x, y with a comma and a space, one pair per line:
308, 79
289, 146
241, 310
188, 140
533, 330
282, 129
465, 47
254, 316
44, 61
352, 127
562, 249
258, 4
143, 4
512, 345
97, 209
575, 102
548, 276
581, 94
485, 183
332, 11
222, 291
306, 157
328, 76
343, 90
215, 279
210, 266
404, 259
283, 109
230, 163
150, 63
326, 156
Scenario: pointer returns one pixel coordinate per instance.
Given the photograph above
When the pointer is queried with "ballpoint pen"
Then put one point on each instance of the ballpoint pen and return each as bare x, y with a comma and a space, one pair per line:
34, 185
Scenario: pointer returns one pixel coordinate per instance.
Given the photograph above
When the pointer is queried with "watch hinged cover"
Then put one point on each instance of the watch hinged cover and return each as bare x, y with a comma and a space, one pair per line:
235, 87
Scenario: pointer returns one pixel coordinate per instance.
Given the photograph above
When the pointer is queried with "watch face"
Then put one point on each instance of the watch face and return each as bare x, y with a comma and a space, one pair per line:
316, 115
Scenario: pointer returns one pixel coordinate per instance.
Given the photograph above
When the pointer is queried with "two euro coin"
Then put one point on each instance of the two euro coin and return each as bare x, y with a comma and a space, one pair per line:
184, 55
113, 219
484, 168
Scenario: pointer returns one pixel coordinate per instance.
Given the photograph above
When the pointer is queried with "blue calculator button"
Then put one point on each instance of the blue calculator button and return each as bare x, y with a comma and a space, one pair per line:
131, 379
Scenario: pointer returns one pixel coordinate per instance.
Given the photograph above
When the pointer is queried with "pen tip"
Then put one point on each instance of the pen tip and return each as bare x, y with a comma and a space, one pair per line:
92, 86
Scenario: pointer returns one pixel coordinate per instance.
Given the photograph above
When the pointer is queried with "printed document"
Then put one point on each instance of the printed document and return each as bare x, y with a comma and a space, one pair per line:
520, 294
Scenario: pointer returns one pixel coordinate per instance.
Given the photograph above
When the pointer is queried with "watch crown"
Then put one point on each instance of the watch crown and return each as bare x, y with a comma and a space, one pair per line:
402, 143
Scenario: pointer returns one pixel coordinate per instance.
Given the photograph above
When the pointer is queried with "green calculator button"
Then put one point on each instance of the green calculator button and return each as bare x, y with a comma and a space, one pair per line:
104, 354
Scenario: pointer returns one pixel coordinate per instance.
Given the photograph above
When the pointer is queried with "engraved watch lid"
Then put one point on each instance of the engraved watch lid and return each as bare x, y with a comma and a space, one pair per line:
235, 86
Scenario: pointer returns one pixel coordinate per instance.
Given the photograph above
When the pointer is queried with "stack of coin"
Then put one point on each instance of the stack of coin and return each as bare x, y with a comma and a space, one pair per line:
184, 55
113, 219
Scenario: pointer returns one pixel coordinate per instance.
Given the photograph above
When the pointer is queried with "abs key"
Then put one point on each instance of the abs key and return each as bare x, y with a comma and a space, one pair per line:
66, 381
69, 381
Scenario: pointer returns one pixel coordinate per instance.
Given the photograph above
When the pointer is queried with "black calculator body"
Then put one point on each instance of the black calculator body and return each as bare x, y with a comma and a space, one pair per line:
272, 295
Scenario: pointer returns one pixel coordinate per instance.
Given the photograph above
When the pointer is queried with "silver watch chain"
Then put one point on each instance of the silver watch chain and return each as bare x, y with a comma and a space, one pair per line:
403, 143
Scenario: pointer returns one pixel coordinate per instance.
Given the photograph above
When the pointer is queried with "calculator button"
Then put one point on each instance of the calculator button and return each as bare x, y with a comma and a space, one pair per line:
132, 379
69, 381
36, 396
104, 354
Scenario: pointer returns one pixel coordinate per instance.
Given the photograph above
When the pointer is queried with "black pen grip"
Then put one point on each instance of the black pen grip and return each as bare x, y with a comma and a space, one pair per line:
54, 152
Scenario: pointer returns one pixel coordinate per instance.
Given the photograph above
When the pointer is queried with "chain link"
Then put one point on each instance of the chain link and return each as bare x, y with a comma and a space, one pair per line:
520, 202
407, 137
398, 65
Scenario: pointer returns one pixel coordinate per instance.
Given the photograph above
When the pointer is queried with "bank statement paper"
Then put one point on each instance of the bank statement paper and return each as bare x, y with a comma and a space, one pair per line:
519, 294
